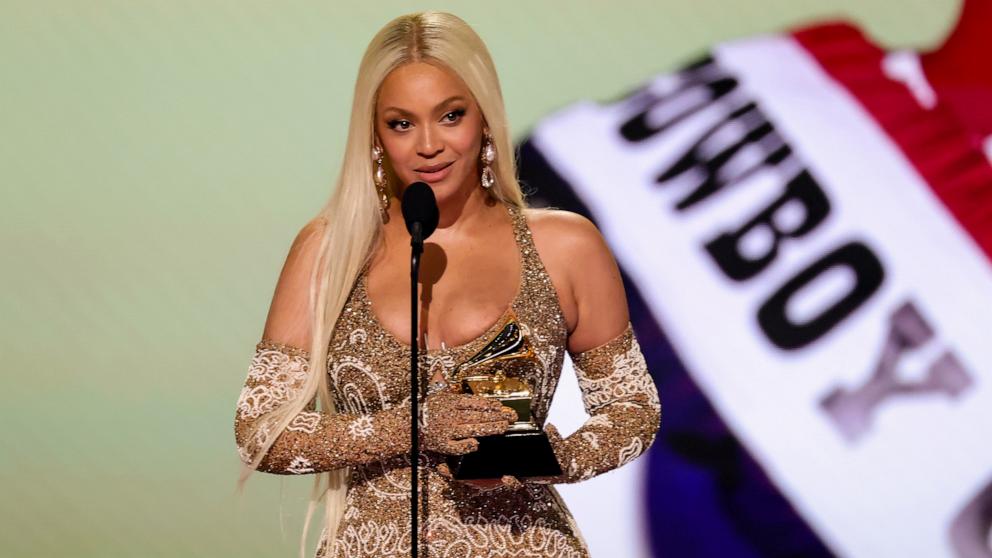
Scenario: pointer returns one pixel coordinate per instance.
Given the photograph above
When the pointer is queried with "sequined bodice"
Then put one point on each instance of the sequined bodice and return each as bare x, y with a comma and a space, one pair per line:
368, 434
369, 366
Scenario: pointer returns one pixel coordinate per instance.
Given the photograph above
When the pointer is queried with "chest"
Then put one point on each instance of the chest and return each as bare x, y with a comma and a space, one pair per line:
462, 290
369, 359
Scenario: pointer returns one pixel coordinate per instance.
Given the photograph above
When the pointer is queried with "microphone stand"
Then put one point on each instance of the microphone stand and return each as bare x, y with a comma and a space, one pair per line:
421, 215
417, 245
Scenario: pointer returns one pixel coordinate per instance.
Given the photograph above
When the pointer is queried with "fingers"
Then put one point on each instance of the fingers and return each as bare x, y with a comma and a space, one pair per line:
476, 412
453, 420
509, 414
445, 471
511, 482
557, 442
461, 447
471, 403
506, 482
475, 417
483, 485
475, 403
480, 429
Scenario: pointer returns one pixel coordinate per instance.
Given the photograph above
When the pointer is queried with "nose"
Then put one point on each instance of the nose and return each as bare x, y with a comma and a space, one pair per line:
429, 143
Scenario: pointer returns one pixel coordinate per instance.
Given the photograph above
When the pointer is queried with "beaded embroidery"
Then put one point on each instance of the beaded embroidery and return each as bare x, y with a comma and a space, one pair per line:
368, 379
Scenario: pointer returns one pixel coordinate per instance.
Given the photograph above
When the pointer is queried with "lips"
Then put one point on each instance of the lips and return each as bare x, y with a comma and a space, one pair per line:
434, 173
432, 168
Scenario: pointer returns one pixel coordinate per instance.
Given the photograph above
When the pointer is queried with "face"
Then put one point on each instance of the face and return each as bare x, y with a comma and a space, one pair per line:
431, 129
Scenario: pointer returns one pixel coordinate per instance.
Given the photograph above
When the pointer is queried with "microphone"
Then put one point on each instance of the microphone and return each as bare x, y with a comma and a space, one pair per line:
421, 215
420, 211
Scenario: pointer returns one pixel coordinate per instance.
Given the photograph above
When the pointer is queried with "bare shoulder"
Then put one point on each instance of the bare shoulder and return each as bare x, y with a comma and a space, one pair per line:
561, 226
288, 321
307, 241
584, 273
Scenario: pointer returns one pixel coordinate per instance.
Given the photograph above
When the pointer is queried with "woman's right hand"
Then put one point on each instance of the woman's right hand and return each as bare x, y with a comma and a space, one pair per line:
452, 421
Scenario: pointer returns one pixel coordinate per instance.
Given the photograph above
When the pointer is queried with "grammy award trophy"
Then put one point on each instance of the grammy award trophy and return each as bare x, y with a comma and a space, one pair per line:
524, 450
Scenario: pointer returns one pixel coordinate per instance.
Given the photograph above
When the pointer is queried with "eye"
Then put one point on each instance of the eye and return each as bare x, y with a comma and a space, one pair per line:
454, 116
398, 124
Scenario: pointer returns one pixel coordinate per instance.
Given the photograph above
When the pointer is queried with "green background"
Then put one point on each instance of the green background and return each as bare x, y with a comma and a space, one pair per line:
156, 160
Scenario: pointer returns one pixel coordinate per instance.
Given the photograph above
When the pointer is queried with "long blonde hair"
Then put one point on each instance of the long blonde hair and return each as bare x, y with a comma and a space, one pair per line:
352, 214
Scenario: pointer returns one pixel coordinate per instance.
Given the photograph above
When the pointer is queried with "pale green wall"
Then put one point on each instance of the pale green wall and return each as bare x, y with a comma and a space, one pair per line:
156, 159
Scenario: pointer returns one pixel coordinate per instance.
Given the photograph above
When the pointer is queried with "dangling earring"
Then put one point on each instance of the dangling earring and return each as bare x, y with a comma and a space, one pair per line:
379, 177
488, 156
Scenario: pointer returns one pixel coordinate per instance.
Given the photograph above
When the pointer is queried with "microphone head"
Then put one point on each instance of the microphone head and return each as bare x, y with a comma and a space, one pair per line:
420, 206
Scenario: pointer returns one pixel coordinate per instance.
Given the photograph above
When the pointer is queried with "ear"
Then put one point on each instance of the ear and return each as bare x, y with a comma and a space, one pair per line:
376, 142
377, 150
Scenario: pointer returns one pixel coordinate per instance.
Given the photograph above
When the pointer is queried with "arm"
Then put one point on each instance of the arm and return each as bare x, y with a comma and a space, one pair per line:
622, 402
617, 390
313, 441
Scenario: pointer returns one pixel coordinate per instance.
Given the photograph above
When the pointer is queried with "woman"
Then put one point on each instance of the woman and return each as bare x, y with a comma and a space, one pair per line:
428, 108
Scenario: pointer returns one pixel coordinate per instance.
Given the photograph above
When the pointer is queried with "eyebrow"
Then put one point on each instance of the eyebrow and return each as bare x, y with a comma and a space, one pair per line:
443, 103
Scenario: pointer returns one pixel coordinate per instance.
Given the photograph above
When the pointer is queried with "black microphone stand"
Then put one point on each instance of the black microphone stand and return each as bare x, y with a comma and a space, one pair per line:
417, 244
421, 215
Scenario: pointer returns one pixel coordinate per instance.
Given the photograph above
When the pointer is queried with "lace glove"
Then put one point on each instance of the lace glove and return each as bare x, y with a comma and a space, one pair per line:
452, 421
623, 406
313, 442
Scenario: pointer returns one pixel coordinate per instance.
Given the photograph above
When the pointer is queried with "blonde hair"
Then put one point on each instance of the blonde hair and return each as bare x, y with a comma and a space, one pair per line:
352, 214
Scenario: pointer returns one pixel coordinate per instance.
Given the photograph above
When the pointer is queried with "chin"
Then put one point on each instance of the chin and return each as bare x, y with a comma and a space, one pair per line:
446, 189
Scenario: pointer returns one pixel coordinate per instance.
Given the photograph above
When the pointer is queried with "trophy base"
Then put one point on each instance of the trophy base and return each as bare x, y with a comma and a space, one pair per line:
520, 454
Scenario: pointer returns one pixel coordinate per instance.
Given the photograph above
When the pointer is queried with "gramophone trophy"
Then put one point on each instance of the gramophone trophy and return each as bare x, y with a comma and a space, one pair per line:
524, 450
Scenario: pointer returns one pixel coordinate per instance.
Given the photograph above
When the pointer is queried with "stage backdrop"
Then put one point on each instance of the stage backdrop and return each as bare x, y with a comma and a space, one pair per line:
157, 158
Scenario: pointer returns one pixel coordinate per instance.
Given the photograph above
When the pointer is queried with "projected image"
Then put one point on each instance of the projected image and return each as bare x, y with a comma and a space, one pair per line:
803, 223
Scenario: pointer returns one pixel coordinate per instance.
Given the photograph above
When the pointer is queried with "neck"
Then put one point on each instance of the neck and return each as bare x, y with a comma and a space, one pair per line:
457, 213
959, 71
461, 209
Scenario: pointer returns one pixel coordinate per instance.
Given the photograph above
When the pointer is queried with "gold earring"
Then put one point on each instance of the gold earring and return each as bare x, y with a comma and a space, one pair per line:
488, 156
379, 177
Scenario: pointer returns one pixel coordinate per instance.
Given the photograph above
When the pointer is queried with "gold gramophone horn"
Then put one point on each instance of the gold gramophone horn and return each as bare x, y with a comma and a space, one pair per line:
509, 343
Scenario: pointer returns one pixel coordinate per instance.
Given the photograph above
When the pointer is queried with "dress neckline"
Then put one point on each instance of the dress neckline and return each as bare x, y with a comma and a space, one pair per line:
518, 225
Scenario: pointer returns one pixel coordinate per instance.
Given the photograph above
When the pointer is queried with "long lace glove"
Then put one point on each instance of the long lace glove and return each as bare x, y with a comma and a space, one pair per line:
623, 406
314, 441
452, 422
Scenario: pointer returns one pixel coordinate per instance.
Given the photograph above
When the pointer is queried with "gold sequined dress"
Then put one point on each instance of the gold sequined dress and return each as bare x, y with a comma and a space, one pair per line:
369, 380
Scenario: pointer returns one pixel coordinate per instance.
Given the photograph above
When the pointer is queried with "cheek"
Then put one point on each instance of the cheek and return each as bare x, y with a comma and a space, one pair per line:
399, 152
469, 136
466, 142
469, 145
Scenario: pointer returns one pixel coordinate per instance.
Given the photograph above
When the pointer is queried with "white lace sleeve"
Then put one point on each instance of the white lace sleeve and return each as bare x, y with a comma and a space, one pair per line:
623, 406
313, 441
